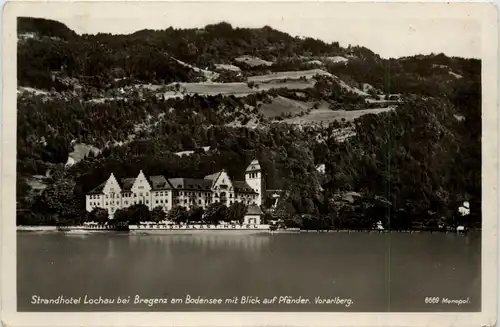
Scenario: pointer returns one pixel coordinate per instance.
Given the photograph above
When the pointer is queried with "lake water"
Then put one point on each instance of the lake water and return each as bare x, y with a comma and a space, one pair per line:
390, 272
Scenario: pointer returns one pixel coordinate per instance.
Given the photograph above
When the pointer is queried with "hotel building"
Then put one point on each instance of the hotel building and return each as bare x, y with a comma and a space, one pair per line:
154, 191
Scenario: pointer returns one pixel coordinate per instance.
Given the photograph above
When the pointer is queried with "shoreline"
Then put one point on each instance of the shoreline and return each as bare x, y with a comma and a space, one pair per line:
186, 229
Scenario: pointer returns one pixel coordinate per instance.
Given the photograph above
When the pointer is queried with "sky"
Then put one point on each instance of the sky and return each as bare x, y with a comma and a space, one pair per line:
390, 31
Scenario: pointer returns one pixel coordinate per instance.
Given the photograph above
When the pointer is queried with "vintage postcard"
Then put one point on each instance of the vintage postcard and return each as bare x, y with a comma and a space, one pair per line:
249, 164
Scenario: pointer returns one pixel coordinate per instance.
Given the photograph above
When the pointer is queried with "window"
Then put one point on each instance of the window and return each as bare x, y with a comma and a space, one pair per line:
156, 201
126, 202
147, 201
106, 203
140, 194
135, 195
185, 201
199, 201
147, 194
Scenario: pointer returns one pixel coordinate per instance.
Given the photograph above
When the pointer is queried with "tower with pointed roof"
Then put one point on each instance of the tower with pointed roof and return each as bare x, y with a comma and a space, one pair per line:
255, 179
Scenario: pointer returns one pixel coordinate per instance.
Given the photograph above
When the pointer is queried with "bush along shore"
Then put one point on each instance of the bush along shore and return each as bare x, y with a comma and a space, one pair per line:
179, 218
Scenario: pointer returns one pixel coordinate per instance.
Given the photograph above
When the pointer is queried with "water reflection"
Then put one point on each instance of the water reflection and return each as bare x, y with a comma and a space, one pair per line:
378, 271
206, 241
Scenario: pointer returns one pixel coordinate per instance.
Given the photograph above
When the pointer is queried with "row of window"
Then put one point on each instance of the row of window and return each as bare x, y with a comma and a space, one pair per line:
127, 195
96, 204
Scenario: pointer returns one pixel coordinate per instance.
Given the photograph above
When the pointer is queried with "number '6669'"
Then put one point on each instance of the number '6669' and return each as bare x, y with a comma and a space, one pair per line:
432, 300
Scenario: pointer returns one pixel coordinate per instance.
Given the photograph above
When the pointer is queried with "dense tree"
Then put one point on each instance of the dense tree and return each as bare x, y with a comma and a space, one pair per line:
98, 215
178, 215
158, 214
195, 214
236, 212
122, 217
139, 213
215, 213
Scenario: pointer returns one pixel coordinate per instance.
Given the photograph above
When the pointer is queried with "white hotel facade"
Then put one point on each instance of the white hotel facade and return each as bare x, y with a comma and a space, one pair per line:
154, 191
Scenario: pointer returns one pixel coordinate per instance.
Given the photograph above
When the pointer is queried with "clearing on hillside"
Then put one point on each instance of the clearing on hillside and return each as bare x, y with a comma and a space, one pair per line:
225, 67
236, 89
336, 59
209, 75
326, 115
281, 105
80, 151
307, 74
253, 61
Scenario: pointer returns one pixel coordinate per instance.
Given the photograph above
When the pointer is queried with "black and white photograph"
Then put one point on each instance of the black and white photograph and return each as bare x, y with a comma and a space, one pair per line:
250, 157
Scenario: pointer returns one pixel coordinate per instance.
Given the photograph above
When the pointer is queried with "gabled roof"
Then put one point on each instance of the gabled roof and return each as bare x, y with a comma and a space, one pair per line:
212, 176
243, 187
254, 166
254, 210
127, 184
159, 183
190, 184
98, 189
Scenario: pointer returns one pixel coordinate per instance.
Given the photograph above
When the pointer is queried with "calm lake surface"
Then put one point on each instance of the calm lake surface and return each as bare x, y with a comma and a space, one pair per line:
378, 272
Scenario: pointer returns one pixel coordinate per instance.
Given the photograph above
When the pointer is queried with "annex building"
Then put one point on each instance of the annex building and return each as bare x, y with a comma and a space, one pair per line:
154, 191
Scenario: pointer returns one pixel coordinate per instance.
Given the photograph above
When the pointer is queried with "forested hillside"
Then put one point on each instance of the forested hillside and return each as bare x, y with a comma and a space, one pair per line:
141, 98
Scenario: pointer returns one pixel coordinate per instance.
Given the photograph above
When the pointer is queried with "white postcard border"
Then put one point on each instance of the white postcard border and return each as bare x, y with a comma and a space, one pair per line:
486, 13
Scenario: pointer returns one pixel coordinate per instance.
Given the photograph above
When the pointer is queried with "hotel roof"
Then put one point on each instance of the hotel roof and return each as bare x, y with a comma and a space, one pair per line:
243, 187
254, 210
159, 183
127, 184
190, 184
98, 189
254, 165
